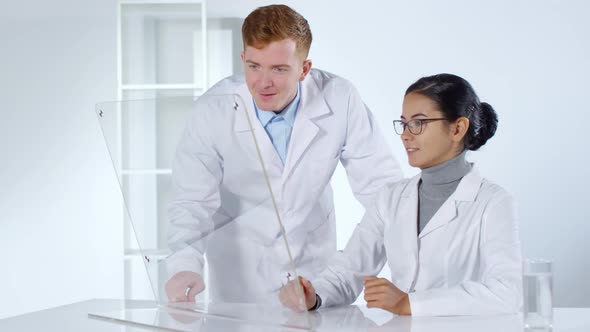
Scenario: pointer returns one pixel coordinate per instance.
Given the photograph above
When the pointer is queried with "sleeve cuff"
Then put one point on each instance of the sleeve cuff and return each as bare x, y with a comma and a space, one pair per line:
318, 303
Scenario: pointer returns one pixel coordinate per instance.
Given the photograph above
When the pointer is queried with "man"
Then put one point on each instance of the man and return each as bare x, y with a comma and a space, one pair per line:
305, 121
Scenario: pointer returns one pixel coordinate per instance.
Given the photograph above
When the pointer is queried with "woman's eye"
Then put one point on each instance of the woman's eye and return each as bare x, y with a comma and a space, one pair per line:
415, 123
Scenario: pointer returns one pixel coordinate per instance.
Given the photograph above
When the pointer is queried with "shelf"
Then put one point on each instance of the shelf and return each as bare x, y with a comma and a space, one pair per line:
161, 44
151, 253
168, 53
146, 171
159, 2
162, 54
161, 87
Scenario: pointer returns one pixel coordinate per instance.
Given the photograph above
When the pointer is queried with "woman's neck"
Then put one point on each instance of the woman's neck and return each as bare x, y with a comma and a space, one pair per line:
446, 172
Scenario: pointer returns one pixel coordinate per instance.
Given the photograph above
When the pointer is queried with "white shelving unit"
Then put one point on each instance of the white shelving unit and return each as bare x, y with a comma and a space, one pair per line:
166, 48
162, 52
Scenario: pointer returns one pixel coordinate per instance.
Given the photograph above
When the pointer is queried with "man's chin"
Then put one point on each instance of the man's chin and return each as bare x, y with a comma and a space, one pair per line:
265, 106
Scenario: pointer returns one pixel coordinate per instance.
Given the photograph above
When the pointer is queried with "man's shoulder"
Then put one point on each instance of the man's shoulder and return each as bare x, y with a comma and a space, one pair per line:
327, 80
227, 85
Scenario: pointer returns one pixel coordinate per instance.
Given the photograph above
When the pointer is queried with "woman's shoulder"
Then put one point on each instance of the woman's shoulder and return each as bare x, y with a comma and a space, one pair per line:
491, 191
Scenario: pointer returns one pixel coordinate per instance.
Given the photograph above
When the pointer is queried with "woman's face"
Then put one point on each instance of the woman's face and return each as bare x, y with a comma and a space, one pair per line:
437, 142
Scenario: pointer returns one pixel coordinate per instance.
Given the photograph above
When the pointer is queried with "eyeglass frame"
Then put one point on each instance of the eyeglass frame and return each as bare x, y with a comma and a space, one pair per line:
421, 121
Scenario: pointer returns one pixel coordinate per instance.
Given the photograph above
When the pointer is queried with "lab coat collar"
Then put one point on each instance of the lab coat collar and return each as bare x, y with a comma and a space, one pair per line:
272, 161
244, 101
466, 192
312, 105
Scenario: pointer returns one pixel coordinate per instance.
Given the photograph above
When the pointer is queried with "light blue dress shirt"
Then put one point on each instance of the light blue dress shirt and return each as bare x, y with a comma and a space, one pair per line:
279, 126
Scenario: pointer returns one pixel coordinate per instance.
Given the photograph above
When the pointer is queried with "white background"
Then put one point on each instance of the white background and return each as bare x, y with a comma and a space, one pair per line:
60, 240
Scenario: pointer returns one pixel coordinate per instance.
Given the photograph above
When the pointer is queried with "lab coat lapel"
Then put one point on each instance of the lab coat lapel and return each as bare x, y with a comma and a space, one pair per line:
466, 191
404, 249
271, 159
312, 105
444, 215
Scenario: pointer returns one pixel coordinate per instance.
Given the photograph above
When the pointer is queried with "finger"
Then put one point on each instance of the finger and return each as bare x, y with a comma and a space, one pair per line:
372, 304
301, 298
304, 283
375, 304
174, 294
197, 284
377, 282
307, 288
366, 278
192, 293
175, 299
284, 297
299, 294
171, 291
377, 289
288, 297
374, 297
292, 297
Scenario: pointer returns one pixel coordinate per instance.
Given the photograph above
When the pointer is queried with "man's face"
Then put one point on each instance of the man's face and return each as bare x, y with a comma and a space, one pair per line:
273, 72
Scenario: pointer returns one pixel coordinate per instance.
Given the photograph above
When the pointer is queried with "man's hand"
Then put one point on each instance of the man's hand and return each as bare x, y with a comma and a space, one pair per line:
292, 298
184, 286
381, 293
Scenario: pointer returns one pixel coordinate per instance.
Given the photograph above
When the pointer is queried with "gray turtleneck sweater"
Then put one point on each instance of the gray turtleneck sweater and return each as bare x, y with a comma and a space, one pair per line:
436, 184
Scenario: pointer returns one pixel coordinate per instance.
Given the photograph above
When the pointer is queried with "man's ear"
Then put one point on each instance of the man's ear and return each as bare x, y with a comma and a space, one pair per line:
306, 69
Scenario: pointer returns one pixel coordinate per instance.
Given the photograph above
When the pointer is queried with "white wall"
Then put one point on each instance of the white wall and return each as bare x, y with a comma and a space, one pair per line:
60, 237
529, 59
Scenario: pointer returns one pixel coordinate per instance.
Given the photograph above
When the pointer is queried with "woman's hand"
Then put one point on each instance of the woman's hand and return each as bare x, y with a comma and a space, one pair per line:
381, 293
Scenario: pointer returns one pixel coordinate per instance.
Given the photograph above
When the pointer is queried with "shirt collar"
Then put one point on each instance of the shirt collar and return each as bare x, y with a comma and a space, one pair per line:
447, 172
288, 112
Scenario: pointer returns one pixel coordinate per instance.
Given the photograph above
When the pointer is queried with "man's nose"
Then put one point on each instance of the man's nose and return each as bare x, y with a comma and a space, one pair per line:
266, 79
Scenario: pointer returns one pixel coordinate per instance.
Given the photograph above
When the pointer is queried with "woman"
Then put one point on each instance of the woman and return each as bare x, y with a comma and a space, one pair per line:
449, 235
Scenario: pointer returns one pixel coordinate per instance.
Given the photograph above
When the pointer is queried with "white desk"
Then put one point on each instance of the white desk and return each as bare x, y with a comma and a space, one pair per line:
74, 317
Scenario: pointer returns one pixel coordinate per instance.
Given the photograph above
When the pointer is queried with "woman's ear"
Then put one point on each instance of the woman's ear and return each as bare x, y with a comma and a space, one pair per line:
459, 129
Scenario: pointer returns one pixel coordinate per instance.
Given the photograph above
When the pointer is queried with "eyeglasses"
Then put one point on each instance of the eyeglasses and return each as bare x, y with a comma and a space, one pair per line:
414, 126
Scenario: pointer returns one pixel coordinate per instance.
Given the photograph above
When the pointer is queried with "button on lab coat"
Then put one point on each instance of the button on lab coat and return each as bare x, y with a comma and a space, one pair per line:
466, 261
218, 184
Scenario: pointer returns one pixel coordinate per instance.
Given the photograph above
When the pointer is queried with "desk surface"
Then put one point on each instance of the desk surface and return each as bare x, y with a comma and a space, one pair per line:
74, 317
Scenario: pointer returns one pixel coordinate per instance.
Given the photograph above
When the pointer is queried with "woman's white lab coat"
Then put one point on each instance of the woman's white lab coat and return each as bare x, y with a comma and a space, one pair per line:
219, 184
466, 261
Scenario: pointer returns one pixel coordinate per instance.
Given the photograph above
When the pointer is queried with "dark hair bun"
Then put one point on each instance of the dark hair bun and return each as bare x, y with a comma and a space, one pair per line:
484, 126
456, 98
